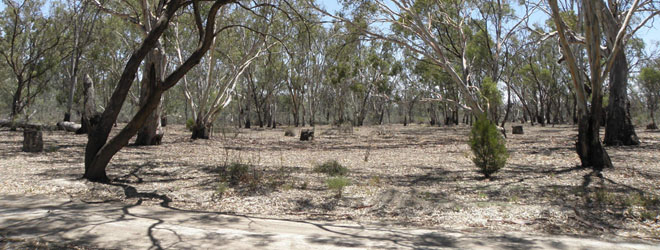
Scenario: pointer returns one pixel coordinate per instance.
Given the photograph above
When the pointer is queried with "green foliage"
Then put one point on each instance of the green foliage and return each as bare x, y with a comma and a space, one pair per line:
491, 96
477, 48
337, 184
222, 188
238, 173
190, 123
488, 146
650, 80
331, 168
490, 92
569, 17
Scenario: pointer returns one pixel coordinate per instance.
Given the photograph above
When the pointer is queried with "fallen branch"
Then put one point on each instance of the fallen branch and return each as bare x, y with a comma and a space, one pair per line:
24, 125
68, 126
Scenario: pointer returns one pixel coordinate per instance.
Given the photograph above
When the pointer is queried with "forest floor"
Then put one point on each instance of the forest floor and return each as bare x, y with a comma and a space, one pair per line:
416, 176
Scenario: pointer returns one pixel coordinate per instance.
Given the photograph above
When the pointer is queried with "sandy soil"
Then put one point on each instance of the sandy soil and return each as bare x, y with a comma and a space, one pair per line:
416, 176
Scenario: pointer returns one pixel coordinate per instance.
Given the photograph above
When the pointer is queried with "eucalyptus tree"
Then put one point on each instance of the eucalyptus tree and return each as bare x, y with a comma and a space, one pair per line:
80, 16
223, 68
588, 146
435, 86
104, 58
318, 58
619, 129
343, 70
391, 71
29, 42
144, 14
299, 59
441, 32
649, 81
541, 80
99, 150
263, 80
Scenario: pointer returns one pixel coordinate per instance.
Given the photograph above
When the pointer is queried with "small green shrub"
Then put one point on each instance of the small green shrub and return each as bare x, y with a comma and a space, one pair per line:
190, 123
488, 147
222, 188
337, 184
374, 181
332, 168
649, 215
237, 172
289, 132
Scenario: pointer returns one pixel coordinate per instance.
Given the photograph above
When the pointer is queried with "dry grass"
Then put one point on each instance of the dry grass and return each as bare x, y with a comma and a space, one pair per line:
415, 176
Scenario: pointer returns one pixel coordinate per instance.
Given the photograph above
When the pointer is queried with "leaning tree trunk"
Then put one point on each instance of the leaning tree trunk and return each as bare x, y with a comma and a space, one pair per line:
619, 129
99, 151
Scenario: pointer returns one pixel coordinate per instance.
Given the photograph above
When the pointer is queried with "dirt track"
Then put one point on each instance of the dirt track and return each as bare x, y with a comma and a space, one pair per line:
114, 225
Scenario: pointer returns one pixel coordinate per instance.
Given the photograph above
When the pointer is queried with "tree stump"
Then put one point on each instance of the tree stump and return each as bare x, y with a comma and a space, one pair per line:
652, 126
517, 130
306, 134
33, 140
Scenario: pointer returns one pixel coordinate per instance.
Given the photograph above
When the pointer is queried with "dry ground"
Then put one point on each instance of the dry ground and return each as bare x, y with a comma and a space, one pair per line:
417, 176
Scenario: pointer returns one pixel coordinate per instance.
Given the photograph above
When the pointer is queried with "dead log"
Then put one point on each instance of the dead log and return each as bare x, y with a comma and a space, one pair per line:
517, 130
68, 126
24, 125
652, 126
33, 140
306, 134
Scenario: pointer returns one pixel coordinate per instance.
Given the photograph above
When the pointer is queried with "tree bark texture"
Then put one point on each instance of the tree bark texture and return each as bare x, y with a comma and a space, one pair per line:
619, 129
152, 132
201, 131
89, 105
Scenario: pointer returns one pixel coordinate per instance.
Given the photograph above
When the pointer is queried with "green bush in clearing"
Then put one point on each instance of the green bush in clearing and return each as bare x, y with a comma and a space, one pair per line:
488, 147
222, 188
237, 172
332, 168
337, 184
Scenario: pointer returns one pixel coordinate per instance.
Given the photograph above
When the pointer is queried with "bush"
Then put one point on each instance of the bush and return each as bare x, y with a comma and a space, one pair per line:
238, 173
332, 168
337, 184
488, 147
289, 132
190, 123
222, 188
